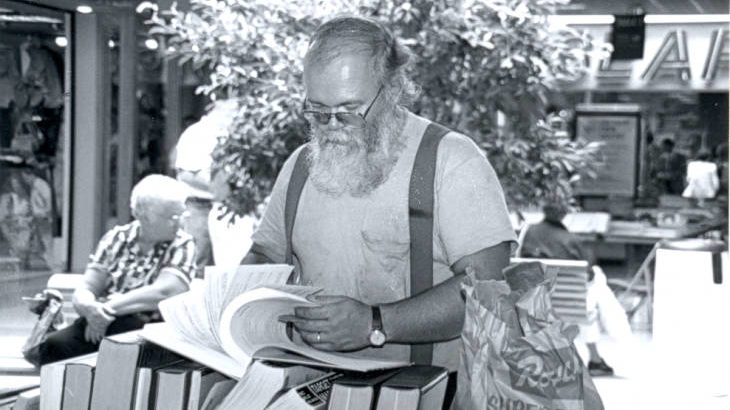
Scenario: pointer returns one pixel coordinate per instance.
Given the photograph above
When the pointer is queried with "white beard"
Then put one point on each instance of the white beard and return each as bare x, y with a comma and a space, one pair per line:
355, 161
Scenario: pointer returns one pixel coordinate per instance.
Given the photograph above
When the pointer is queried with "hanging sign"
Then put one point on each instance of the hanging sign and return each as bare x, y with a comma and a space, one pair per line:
690, 56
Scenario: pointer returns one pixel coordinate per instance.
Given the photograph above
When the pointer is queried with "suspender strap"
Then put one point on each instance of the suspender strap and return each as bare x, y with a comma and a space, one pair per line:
293, 192
420, 220
420, 217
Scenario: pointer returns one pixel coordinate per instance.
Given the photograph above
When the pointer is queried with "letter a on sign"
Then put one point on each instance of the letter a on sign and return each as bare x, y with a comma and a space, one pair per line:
672, 55
717, 55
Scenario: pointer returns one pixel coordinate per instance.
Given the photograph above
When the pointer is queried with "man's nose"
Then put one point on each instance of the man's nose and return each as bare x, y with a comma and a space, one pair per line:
333, 123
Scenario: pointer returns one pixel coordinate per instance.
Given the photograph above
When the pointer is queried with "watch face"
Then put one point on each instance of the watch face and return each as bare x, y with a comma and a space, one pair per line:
377, 338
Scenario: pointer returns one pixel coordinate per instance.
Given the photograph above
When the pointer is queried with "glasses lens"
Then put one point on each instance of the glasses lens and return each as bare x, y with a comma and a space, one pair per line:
318, 117
349, 119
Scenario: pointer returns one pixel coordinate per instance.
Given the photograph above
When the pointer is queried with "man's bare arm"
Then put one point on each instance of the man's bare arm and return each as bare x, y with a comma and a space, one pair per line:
438, 313
343, 324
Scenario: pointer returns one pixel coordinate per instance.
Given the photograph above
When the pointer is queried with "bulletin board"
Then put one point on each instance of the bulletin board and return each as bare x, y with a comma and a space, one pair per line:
618, 127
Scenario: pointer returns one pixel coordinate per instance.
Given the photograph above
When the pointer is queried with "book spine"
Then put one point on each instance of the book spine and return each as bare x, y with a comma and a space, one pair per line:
317, 393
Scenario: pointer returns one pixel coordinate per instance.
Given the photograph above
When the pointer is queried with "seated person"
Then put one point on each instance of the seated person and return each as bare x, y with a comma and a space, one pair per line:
135, 266
550, 239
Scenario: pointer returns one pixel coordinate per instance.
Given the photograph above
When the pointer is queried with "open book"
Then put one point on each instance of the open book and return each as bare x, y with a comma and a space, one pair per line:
233, 318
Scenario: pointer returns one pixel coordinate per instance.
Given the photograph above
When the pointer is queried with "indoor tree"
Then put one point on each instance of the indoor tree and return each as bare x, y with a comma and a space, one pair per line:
475, 59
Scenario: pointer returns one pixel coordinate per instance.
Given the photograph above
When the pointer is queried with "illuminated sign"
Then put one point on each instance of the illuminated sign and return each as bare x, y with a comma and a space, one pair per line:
676, 57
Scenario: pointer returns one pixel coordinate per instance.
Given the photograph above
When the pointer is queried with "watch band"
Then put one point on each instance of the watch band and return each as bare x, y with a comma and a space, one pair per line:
377, 319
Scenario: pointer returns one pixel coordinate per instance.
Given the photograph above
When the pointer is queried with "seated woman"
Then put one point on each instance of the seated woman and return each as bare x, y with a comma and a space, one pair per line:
135, 266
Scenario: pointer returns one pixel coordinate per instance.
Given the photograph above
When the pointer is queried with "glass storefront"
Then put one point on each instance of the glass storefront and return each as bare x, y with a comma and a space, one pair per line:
34, 151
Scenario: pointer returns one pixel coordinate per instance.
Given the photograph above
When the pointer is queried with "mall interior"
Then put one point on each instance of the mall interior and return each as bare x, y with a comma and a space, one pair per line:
89, 104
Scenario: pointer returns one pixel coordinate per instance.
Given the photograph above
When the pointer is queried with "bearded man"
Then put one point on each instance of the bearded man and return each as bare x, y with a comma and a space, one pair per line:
351, 235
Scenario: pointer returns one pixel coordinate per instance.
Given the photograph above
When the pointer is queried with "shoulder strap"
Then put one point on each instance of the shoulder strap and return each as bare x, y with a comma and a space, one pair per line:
293, 192
420, 217
420, 220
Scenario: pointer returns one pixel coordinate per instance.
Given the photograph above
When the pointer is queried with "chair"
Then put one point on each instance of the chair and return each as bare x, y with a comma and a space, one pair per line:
626, 288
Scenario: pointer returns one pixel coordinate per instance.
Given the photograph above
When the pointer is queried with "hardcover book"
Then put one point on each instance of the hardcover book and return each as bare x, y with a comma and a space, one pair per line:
226, 326
417, 387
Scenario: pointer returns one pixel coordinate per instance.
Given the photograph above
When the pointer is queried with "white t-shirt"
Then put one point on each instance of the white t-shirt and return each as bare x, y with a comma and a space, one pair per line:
359, 246
702, 180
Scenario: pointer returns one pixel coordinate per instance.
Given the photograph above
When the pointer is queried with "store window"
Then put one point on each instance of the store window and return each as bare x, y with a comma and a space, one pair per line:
34, 157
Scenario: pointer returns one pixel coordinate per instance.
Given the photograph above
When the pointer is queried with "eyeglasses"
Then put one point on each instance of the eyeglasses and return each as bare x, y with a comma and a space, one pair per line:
347, 119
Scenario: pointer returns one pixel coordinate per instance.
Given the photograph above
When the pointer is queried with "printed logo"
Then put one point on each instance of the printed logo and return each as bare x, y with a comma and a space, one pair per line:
557, 373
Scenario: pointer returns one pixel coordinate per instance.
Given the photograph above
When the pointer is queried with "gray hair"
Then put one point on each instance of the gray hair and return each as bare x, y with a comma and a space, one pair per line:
355, 34
157, 190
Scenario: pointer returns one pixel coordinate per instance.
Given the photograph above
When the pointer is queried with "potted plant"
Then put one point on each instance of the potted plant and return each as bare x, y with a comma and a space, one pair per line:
477, 58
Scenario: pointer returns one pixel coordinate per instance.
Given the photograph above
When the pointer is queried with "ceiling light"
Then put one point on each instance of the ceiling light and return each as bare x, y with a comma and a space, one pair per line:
686, 18
112, 43
61, 41
580, 19
151, 44
84, 9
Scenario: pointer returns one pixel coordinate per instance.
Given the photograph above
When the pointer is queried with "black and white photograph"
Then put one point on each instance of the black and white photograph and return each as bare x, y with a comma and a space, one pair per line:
364, 204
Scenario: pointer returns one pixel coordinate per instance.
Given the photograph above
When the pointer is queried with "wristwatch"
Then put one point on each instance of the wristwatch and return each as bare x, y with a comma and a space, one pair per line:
377, 336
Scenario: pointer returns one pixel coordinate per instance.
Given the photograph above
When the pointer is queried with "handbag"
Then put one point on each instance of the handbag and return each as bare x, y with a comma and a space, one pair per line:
44, 326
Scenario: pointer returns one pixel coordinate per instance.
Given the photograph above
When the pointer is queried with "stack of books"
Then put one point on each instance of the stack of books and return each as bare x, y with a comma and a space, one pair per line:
132, 374
222, 347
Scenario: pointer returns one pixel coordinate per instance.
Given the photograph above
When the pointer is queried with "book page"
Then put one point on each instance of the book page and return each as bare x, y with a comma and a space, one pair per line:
221, 287
250, 328
250, 321
164, 335
187, 315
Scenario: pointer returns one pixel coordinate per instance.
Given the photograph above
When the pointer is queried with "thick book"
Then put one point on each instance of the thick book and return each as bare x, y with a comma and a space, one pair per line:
193, 318
146, 383
263, 381
246, 328
52, 382
312, 395
417, 387
218, 392
119, 358
172, 388
202, 379
358, 391
79, 378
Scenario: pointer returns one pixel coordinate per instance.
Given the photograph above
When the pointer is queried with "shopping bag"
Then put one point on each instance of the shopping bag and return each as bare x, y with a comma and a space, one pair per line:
45, 325
516, 353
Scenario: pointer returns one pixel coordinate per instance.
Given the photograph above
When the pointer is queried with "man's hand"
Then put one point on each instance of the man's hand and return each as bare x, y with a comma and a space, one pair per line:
339, 323
96, 324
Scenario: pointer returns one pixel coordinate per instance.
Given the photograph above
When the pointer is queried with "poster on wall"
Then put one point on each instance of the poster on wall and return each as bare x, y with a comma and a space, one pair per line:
618, 128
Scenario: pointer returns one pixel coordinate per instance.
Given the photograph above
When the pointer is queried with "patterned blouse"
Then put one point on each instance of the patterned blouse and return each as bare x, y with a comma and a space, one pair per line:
118, 254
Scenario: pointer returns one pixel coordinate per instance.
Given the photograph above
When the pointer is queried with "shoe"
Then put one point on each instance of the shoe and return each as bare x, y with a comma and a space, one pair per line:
599, 369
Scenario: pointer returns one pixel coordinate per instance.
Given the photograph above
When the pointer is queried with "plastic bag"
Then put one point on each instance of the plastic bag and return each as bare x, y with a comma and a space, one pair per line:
517, 354
50, 304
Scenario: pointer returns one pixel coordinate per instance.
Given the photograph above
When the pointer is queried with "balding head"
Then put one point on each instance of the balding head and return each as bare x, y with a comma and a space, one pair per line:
348, 35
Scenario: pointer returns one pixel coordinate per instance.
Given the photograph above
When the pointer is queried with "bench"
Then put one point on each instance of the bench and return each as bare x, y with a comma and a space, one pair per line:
569, 294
